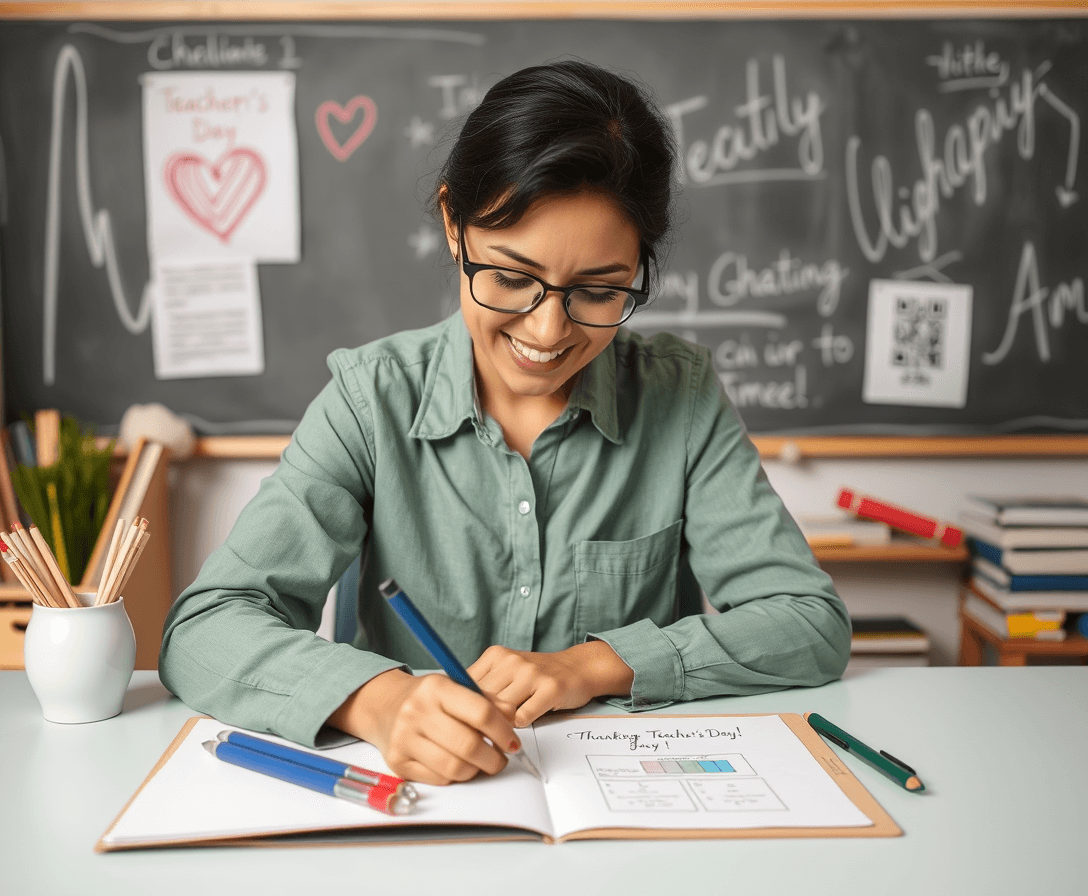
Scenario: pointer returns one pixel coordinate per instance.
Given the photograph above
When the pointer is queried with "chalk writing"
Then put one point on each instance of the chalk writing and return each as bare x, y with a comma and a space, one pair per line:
1044, 305
459, 93
173, 51
731, 279
906, 213
97, 227
968, 67
764, 122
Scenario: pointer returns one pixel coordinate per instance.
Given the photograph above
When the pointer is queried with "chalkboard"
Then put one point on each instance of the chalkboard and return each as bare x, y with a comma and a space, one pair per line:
819, 157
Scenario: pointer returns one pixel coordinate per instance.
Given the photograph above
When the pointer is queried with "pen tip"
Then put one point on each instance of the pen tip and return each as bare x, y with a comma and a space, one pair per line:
223, 735
210, 746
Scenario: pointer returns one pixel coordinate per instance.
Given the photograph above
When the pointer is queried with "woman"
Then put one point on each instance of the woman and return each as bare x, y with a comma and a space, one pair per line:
551, 490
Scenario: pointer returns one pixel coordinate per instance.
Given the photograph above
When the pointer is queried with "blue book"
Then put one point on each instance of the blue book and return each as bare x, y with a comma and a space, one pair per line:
1002, 578
1061, 562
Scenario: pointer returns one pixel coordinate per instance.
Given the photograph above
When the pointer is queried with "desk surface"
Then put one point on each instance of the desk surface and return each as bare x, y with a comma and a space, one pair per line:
1002, 753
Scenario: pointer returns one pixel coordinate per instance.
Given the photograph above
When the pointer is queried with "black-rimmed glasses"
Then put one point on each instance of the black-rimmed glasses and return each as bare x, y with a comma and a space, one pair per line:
516, 292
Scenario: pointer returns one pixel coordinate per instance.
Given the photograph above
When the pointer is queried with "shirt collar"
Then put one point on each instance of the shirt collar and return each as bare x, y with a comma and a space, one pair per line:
449, 391
595, 392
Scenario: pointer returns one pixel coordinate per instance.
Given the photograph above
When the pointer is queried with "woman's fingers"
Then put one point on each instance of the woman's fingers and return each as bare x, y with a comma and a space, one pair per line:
445, 732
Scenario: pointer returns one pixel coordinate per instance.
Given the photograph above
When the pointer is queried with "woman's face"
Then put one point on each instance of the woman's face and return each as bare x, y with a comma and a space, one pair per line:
583, 238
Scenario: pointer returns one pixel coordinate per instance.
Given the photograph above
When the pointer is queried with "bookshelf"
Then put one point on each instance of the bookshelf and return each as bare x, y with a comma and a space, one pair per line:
899, 551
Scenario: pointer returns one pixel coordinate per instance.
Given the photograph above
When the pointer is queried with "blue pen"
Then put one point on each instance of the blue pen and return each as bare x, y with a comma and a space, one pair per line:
436, 647
381, 798
321, 763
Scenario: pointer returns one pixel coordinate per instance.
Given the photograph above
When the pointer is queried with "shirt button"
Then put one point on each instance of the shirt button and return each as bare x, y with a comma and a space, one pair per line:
523, 508
524, 590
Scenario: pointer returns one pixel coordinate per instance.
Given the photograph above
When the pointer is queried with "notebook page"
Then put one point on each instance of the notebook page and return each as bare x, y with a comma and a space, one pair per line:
724, 772
195, 796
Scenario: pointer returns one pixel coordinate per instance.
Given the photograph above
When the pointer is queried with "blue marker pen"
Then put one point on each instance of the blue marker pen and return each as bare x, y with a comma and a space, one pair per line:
436, 647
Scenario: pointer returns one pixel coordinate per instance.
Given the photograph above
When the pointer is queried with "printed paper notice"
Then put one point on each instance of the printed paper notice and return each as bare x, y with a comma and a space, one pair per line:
206, 319
918, 343
221, 165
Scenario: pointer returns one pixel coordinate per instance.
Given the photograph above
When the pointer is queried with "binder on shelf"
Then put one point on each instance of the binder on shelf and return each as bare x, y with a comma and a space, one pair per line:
900, 518
142, 491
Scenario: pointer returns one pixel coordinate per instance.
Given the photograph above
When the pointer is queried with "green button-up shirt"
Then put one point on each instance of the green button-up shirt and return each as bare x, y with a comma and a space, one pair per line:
645, 490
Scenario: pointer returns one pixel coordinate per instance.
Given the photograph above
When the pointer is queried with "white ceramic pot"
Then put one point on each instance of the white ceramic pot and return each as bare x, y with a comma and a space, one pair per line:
79, 659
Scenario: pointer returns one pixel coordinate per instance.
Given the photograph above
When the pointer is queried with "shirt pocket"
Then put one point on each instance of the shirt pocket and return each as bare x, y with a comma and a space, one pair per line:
620, 582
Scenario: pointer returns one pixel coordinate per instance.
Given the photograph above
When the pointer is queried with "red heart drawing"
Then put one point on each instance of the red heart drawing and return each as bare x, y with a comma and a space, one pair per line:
218, 194
344, 115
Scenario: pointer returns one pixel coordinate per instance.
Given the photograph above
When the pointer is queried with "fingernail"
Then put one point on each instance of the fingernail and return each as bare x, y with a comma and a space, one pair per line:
515, 745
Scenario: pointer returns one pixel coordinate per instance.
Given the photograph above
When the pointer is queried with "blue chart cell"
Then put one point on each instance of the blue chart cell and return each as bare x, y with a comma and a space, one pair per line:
636, 766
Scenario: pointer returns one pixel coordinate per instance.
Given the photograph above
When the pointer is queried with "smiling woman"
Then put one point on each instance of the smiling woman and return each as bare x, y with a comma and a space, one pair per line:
557, 494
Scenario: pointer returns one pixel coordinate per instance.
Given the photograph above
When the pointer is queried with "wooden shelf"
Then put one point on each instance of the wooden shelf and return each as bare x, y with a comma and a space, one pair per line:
785, 448
905, 551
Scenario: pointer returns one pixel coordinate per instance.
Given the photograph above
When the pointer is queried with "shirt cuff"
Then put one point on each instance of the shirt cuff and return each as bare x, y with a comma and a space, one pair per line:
320, 694
659, 673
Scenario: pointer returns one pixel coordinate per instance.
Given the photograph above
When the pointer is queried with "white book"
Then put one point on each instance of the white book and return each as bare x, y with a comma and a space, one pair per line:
1023, 536
845, 528
1031, 510
992, 618
1025, 601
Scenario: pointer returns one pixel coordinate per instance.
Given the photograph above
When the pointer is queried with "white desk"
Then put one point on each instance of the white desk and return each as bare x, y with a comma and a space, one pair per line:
1003, 754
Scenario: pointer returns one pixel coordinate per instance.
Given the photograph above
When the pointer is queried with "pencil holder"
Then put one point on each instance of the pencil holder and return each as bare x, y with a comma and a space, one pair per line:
79, 659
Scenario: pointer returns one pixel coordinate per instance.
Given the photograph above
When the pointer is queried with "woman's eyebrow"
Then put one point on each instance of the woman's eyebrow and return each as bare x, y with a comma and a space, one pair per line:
514, 255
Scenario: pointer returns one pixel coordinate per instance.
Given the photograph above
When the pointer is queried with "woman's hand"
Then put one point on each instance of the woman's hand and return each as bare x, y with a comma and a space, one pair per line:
429, 729
531, 684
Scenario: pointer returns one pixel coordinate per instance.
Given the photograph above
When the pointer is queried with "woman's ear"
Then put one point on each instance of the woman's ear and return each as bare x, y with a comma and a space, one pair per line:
448, 223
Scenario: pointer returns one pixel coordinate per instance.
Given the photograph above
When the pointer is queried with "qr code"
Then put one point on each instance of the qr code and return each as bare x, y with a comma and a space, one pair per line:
918, 342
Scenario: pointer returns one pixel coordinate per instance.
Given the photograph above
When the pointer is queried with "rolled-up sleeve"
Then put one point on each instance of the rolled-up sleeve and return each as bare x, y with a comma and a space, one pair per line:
240, 643
780, 622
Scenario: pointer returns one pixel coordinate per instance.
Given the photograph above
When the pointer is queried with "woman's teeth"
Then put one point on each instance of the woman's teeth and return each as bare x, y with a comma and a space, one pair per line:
531, 353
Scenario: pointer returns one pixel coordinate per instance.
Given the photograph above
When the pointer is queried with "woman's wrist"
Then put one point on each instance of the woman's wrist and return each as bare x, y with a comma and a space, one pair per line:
610, 675
364, 712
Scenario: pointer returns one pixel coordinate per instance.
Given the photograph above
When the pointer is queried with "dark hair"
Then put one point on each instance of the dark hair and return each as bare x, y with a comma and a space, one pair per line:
557, 129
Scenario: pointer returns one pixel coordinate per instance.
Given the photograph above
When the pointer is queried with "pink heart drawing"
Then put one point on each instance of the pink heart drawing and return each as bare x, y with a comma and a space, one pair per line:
218, 194
345, 114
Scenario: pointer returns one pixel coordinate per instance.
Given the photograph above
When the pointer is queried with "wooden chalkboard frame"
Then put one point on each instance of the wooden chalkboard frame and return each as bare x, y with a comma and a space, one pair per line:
277, 10
787, 448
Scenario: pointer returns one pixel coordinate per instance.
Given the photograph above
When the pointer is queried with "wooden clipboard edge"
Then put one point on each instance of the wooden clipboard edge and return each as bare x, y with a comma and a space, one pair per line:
854, 790
101, 845
882, 823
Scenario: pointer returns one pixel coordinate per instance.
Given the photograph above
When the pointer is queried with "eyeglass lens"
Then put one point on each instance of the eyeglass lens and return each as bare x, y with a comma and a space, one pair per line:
516, 291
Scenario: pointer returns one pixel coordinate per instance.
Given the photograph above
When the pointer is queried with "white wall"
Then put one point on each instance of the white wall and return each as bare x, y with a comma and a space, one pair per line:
208, 494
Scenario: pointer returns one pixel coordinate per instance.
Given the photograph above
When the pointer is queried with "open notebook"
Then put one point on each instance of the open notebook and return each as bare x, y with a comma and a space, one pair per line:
649, 776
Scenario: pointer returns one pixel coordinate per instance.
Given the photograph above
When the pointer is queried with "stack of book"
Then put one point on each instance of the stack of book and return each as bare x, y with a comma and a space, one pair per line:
1029, 569
887, 641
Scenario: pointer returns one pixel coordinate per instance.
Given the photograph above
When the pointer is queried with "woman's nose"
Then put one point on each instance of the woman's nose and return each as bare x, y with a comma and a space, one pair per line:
548, 322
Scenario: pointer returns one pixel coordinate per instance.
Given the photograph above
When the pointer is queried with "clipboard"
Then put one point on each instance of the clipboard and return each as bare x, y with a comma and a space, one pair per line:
882, 825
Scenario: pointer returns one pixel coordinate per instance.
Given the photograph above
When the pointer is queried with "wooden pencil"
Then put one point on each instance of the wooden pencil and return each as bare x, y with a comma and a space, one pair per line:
25, 573
63, 587
115, 543
24, 550
141, 542
113, 573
